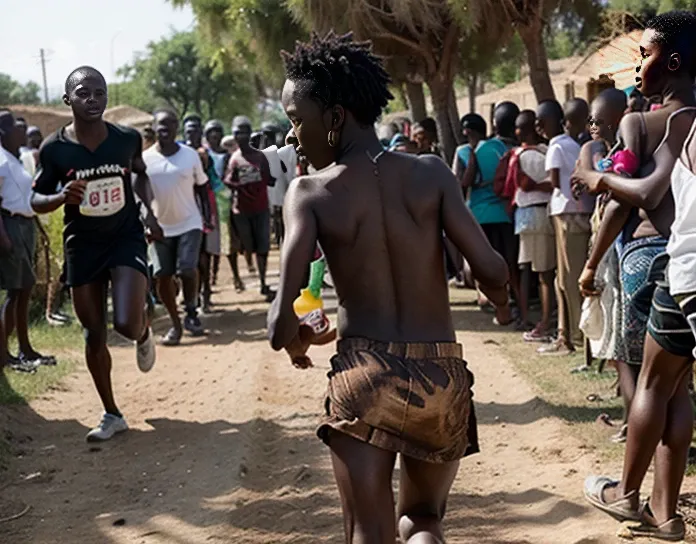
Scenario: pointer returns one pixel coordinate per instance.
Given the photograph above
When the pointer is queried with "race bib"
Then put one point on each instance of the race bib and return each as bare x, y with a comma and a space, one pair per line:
103, 197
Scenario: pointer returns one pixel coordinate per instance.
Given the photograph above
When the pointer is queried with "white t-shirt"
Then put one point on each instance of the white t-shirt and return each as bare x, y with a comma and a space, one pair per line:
533, 164
15, 185
173, 179
563, 153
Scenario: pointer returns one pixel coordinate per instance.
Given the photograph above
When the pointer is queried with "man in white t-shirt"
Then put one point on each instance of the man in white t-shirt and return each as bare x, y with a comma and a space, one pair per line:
17, 247
571, 221
178, 183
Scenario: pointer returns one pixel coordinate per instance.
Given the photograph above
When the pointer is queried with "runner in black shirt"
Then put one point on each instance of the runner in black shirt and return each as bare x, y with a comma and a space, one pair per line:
87, 167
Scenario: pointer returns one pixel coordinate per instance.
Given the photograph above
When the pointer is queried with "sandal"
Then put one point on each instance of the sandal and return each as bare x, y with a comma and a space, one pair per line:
537, 334
672, 530
239, 285
172, 338
39, 360
621, 509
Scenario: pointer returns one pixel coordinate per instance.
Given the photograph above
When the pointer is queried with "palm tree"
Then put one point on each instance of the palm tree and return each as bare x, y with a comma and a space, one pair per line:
423, 30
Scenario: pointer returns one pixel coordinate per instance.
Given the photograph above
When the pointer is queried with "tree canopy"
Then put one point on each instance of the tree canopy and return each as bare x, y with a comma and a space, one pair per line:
13, 92
174, 72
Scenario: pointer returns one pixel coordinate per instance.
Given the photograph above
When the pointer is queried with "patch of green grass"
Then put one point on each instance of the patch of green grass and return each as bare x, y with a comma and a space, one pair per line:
578, 399
63, 342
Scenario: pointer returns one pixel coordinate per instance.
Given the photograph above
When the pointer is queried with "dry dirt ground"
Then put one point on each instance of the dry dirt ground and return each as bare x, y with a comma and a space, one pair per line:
222, 449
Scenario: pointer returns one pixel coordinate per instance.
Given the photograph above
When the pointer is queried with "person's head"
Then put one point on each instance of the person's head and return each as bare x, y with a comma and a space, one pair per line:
636, 101
213, 133
606, 113
549, 121
21, 122
193, 118
525, 127
12, 136
269, 131
193, 133
148, 135
241, 130
575, 113
668, 52
256, 140
424, 134
504, 117
336, 90
86, 94
166, 126
34, 137
474, 128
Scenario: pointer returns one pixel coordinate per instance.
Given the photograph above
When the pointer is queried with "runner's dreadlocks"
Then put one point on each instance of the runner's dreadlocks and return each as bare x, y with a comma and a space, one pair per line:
338, 70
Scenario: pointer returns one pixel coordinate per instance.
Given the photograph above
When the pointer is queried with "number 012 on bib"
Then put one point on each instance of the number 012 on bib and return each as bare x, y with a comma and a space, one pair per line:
103, 197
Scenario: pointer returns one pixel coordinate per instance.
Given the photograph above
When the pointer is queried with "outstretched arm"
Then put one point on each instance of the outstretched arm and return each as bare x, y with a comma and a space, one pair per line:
298, 250
487, 266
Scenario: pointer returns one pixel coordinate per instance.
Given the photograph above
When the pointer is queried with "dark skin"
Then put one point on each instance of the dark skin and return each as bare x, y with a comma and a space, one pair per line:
367, 225
88, 100
656, 209
661, 419
166, 126
15, 310
526, 133
242, 135
575, 121
468, 180
194, 138
34, 140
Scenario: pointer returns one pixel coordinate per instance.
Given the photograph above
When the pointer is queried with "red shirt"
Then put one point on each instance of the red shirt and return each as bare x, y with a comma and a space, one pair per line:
251, 179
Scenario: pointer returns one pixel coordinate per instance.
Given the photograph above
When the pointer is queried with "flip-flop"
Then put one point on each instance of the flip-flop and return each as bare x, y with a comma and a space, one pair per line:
172, 338
620, 510
672, 530
41, 360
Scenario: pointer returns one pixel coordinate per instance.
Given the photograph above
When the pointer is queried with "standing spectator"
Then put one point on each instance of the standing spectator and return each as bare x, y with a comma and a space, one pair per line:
531, 193
424, 134
576, 112
249, 174
487, 207
17, 245
571, 220
176, 176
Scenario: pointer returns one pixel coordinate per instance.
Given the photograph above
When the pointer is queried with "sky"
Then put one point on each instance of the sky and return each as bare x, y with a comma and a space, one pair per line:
105, 34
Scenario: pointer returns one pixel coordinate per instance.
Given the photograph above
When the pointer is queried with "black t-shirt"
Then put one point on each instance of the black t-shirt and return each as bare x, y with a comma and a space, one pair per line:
109, 209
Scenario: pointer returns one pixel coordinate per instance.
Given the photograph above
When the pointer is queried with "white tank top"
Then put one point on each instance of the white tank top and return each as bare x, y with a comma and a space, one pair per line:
682, 241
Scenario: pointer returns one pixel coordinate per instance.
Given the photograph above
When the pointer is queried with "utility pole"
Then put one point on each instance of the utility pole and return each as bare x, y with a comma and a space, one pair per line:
43, 70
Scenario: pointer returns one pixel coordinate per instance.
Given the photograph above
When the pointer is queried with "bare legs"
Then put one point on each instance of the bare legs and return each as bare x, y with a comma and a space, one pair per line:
660, 424
16, 317
628, 377
364, 475
234, 265
129, 288
204, 262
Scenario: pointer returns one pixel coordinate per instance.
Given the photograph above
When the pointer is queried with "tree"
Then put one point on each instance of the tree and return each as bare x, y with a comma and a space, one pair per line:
248, 33
174, 72
13, 92
499, 19
425, 30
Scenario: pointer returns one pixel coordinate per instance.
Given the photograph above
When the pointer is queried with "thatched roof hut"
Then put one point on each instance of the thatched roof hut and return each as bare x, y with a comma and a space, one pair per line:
128, 116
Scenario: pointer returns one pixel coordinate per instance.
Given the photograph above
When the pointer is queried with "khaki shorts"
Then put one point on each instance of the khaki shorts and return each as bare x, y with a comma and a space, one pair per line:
539, 250
413, 399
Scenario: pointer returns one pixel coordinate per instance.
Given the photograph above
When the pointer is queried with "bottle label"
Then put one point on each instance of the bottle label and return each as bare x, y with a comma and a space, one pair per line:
317, 320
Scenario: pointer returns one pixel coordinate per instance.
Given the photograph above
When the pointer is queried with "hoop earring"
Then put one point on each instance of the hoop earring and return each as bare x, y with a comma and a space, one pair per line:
673, 63
332, 138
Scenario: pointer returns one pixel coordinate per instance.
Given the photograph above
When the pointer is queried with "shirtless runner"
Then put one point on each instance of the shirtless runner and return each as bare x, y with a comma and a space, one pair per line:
398, 382
92, 161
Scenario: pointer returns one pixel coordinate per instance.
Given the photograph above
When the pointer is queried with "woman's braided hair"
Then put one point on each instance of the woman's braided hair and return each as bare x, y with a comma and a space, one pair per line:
338, 70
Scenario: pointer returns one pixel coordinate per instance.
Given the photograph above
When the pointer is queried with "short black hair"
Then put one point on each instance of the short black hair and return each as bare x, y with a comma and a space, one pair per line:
676, 31
504, 116
193, 117
241, 121
576, 110
550, 108
78, 75
613, 98
341, 71
7, 121
473, 121
167, 111
525, 120
213, 124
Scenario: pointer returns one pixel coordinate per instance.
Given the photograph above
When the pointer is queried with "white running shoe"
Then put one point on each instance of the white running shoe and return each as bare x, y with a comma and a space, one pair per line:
107, 428
145, 353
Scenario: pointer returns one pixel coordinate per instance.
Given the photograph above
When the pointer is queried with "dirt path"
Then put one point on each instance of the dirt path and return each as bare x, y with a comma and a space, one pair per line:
222, 449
